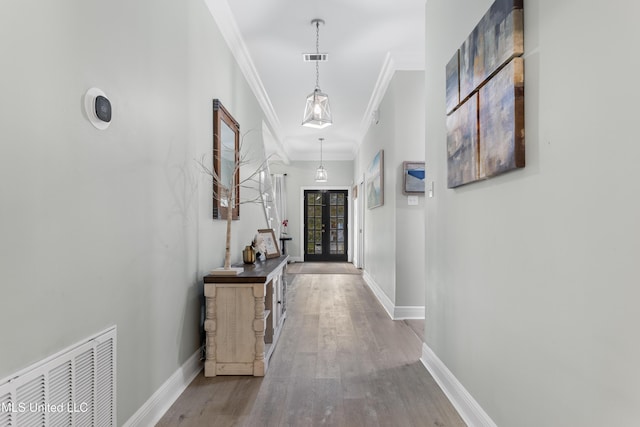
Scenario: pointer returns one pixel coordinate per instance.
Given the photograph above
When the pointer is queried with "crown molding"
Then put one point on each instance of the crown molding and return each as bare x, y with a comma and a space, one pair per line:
392, 63
272, 146
380, 88
222, 14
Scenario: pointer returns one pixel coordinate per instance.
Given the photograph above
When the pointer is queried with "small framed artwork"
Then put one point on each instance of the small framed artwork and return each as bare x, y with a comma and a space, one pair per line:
375, 181
270, 243
413, 177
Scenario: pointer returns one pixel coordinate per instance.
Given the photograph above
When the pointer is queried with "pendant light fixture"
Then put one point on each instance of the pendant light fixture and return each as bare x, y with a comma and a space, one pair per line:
317, 113
321, 172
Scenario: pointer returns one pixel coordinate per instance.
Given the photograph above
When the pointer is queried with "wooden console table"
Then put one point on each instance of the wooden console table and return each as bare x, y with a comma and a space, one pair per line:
244, 318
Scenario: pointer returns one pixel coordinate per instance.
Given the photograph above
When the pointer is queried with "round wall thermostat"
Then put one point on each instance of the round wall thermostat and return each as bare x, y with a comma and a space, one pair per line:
98, 108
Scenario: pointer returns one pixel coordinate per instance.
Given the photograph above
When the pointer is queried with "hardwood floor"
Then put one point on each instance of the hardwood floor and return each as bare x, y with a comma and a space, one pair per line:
322, 268
340, 361
417, 326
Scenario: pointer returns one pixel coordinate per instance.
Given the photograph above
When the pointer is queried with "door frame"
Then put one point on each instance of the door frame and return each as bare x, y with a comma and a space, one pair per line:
349, 213
358, 236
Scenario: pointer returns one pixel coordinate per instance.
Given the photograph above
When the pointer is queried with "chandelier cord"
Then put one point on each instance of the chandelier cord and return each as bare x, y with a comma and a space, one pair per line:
317, 54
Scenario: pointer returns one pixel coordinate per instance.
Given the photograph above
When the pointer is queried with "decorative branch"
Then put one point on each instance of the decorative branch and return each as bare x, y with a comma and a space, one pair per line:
228, 192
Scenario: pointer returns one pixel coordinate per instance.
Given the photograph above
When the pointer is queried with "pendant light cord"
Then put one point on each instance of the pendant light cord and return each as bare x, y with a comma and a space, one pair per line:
317, 54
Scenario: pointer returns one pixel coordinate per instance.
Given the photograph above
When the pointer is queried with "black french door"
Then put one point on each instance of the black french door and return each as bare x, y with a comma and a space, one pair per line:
325, 225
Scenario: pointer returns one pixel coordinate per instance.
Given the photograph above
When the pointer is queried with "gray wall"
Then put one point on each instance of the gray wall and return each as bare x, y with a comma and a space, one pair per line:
532, 279
380, 223
302, 174
408, 90
394, 233
112, 227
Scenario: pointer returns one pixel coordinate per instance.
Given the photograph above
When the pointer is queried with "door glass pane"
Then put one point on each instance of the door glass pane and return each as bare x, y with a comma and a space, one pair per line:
314, 223
336, 223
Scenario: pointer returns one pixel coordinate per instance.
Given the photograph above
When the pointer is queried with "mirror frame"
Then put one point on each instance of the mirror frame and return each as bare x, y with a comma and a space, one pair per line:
220, 115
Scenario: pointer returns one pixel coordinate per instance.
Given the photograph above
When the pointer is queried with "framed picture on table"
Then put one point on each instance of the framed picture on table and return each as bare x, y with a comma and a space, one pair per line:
270, 242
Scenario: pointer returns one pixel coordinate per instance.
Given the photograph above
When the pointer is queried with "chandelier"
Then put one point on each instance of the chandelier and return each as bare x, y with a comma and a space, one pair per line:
317, 113
321, 172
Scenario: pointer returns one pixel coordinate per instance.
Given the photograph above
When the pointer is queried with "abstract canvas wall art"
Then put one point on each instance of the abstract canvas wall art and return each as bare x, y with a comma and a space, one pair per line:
496, 39
413, 177
453, 82
375, 181
485, 130
502, 121
462, 144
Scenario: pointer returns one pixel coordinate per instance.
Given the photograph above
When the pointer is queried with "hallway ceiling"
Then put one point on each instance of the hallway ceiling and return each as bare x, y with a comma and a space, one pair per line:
367, 40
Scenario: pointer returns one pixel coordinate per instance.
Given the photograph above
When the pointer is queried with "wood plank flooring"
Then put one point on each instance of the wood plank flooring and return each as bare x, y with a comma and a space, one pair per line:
322, 268
340, 361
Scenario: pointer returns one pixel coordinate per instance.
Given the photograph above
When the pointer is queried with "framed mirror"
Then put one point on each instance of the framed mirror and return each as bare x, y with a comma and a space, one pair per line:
226, 156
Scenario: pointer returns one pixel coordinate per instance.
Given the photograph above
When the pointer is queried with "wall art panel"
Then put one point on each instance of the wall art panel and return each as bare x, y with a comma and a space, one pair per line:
502, 121
375, 181
497, 38
462, 144
453, 82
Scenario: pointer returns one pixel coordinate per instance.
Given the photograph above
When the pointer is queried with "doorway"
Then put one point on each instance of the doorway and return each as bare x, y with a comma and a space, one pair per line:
325, 225
358, 227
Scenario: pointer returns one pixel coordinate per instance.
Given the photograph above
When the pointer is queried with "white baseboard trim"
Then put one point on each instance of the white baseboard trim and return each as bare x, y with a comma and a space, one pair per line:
395, 313
160, 402
295, 259
387, 304
470, 411
408, 312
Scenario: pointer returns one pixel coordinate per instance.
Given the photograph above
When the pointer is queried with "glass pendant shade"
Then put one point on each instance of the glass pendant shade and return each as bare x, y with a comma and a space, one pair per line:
317, 113
321, 174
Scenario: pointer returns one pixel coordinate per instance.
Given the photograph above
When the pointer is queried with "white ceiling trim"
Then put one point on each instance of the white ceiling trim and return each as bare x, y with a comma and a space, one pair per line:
274, 144
392, 63
221, 13
382, 84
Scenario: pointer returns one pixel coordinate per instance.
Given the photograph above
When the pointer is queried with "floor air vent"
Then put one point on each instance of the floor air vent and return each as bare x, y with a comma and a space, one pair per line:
76, 387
